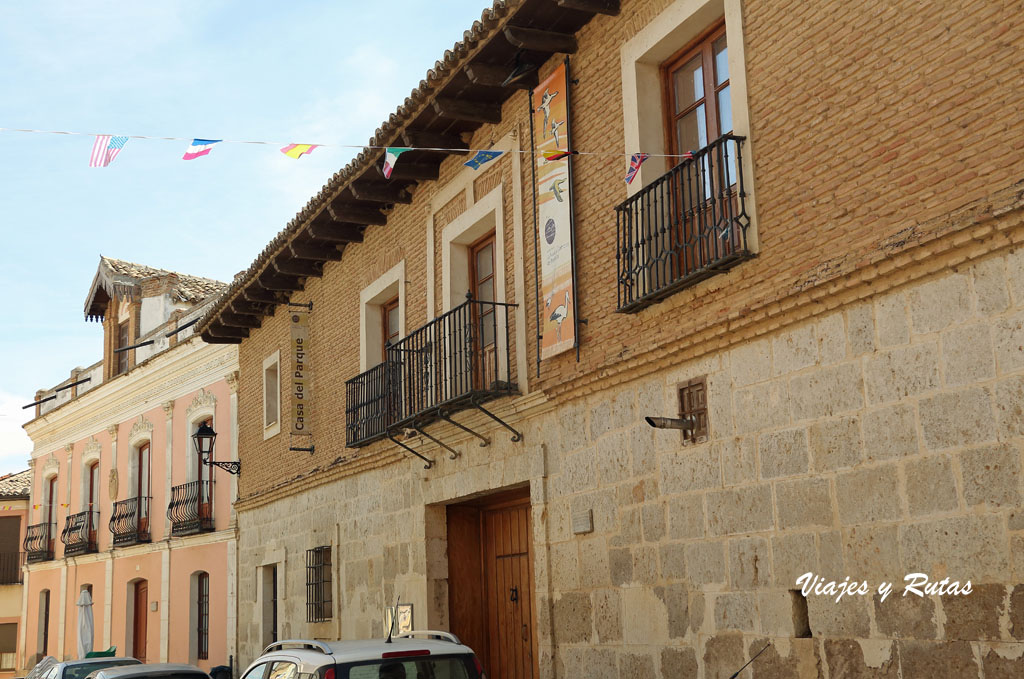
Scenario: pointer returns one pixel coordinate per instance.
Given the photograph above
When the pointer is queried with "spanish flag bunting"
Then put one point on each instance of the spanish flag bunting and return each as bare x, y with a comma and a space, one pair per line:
298, 150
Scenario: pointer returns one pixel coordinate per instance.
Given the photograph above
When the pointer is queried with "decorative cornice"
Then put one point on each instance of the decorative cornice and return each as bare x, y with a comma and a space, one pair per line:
204, 399
142, 426
93, 450
232, 379
169, 409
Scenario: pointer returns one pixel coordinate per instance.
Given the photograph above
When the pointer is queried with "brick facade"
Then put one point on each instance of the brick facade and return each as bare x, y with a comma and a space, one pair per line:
864, 379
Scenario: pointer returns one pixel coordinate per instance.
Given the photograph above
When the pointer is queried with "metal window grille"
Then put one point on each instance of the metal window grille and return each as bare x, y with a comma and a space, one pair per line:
318, 584
693, 402
203, 616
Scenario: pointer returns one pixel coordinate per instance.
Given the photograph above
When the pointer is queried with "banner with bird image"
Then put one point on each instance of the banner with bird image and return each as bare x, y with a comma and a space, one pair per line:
553, 177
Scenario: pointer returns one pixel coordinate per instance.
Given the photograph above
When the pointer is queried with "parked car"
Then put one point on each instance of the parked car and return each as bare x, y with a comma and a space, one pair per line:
436, 655
159, 670
80, 669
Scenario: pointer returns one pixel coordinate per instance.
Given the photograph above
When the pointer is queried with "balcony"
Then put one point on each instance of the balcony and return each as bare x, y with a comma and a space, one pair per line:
79, 534
458, 360
39, 542
129, 523
10, 568
191, 508
687, 225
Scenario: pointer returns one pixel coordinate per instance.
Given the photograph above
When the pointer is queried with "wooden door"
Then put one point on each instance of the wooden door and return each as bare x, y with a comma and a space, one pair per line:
139, 623
482, 282
491, 584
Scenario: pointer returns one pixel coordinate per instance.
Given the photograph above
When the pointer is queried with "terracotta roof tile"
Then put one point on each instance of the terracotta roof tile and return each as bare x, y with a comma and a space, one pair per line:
120, 278
16, 485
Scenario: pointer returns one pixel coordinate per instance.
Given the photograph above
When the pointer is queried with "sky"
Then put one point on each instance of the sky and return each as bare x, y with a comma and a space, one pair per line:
290, 72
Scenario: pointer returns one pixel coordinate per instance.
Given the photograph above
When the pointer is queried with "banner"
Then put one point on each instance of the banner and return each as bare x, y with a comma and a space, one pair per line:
301, 377
554, 213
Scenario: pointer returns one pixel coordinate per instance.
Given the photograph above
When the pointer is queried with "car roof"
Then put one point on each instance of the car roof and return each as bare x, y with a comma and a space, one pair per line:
151, 670
89, 661
316, 652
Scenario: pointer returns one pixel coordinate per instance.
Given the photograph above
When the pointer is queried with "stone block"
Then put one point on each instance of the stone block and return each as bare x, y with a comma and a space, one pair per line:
848, 659
992, 475
803, 502
610, 414
937, 659
1009, 343
652, 518
620, 566
860, 329
866, 495
905, 371
613, 460
697, 600
736, 611
939, 303
738, 464
578, 473
565, 566
641, 439
750, 362
792, 659
873, 553
705, 562
830, 333
691, 468
905, 617
672, 557
676, 600
891, 320
890, 431
1017, 612
750, 564
976, 615
636, 666
723, 654
593, 563
828, 391
830, 555
719, 406
957, 418
846, 618
794, 350
679, 662
741, 510
931, 486
779, 612
967, 355
637, 491
783, 453
686, 517
835, 443
1010, 406
1015, 275
644, 615
572, 427
962, 548
762, 406
645, 565
793, 554
990, 292
1002, 661
572, 616
602, 506
607, 608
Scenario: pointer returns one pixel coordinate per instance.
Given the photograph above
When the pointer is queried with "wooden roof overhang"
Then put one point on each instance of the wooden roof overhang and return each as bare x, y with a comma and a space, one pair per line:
459, 95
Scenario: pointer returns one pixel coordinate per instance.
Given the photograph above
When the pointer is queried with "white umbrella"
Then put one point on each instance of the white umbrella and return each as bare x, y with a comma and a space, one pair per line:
85, 625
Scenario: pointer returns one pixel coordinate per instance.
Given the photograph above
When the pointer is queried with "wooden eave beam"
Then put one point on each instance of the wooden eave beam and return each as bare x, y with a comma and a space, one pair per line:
379, 192
242, 306
467, 111
541, 41
413, 171
258, 294
239, 320
335, 232
609, 7
421, 139
226, 331
297, 267
279, 282
314, 251
350, 214
214, 339
494, 75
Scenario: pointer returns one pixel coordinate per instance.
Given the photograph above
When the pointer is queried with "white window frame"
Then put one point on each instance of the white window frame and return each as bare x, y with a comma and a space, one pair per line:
642, 106
273, 428
371, 319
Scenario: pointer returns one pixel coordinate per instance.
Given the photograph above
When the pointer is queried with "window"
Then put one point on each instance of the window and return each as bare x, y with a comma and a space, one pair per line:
203, 616
481, 282
268, 590
381, 316
696, 87
8, 645
43, 636
122, 341
271, 395
693, 402
389, 325
141, 469
318, 584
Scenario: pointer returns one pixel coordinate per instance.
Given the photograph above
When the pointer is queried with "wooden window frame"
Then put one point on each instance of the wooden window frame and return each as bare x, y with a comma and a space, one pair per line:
387, 332
124, 339
693, 402
271, 428
318, 584
203, 616
702, 45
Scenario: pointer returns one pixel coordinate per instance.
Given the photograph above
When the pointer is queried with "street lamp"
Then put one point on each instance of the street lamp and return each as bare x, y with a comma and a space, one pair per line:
204, 439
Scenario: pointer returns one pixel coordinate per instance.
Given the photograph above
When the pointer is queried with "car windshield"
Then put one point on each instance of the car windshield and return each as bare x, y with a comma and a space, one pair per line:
437, 667
85, 669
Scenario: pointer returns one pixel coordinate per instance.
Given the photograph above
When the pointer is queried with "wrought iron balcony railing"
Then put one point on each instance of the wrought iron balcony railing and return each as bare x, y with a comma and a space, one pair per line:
39, 542
79, 534
687, 225
10, 567
129, 522
458, 360
191, 508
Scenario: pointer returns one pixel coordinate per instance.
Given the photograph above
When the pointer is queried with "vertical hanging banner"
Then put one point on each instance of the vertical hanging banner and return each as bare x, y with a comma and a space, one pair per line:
553, 206
301, 377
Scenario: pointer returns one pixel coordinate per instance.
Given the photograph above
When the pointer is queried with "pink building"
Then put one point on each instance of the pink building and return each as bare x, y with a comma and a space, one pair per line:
14, 499
121, 504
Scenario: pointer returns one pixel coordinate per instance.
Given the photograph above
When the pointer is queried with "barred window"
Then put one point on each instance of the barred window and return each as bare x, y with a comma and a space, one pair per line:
693, 403
318, 584
203, 616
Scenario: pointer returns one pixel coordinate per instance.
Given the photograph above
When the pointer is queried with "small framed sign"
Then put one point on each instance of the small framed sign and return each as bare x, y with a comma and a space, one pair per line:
404, 622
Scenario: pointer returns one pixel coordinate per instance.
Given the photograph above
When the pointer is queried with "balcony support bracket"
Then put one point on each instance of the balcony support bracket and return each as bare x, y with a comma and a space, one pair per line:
429, 462
446, 416
454, 453
516, 436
